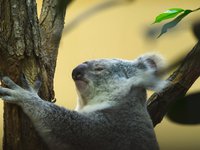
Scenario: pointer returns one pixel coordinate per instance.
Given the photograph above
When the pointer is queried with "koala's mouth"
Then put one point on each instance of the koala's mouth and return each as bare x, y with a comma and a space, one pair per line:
81, 84
84, 80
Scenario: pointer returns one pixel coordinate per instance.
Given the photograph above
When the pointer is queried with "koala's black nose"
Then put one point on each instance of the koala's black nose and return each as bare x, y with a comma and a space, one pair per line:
79, 71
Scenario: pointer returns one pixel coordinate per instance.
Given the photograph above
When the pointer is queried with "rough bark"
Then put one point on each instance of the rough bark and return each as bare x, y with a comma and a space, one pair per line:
28, 47
182, 79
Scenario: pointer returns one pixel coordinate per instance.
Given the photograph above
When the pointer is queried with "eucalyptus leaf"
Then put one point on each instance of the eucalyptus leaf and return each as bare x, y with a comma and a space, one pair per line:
174, 22
171, 13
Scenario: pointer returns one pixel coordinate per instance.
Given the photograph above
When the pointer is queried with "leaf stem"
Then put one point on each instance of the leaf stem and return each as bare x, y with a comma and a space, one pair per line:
196, 9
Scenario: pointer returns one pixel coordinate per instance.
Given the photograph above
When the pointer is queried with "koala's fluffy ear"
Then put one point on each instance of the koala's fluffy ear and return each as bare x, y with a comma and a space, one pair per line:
149, 65
153, 62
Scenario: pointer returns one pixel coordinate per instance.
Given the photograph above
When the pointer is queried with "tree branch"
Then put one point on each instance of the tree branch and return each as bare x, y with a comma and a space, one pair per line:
51, 25
182, 79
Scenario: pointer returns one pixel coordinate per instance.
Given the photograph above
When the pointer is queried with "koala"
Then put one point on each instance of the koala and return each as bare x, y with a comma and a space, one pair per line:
111, 112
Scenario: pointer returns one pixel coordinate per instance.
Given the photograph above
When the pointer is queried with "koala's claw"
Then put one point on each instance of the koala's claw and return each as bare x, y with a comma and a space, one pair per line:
54, 100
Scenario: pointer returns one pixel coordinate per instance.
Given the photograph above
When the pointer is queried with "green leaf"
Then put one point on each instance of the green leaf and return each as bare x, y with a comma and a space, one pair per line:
174, 22
170, 13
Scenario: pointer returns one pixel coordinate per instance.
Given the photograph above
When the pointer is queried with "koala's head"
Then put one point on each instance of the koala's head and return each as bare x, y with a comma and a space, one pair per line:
99, 79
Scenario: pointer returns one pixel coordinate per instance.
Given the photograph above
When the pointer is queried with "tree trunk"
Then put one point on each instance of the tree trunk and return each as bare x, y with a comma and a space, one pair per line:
28, 46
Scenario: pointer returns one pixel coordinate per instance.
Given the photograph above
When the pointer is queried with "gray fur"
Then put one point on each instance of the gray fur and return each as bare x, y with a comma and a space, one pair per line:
111, 112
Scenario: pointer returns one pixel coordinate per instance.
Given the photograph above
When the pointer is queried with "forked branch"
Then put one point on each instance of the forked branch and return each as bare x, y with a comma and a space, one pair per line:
51, 26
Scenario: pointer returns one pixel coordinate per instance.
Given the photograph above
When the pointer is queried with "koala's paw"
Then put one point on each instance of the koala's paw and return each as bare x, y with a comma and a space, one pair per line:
14, 93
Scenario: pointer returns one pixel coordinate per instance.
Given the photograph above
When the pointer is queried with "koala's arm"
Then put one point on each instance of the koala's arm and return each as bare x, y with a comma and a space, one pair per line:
58, 126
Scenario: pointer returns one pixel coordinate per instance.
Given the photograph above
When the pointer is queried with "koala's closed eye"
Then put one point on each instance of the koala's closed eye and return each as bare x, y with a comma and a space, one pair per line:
99, 69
